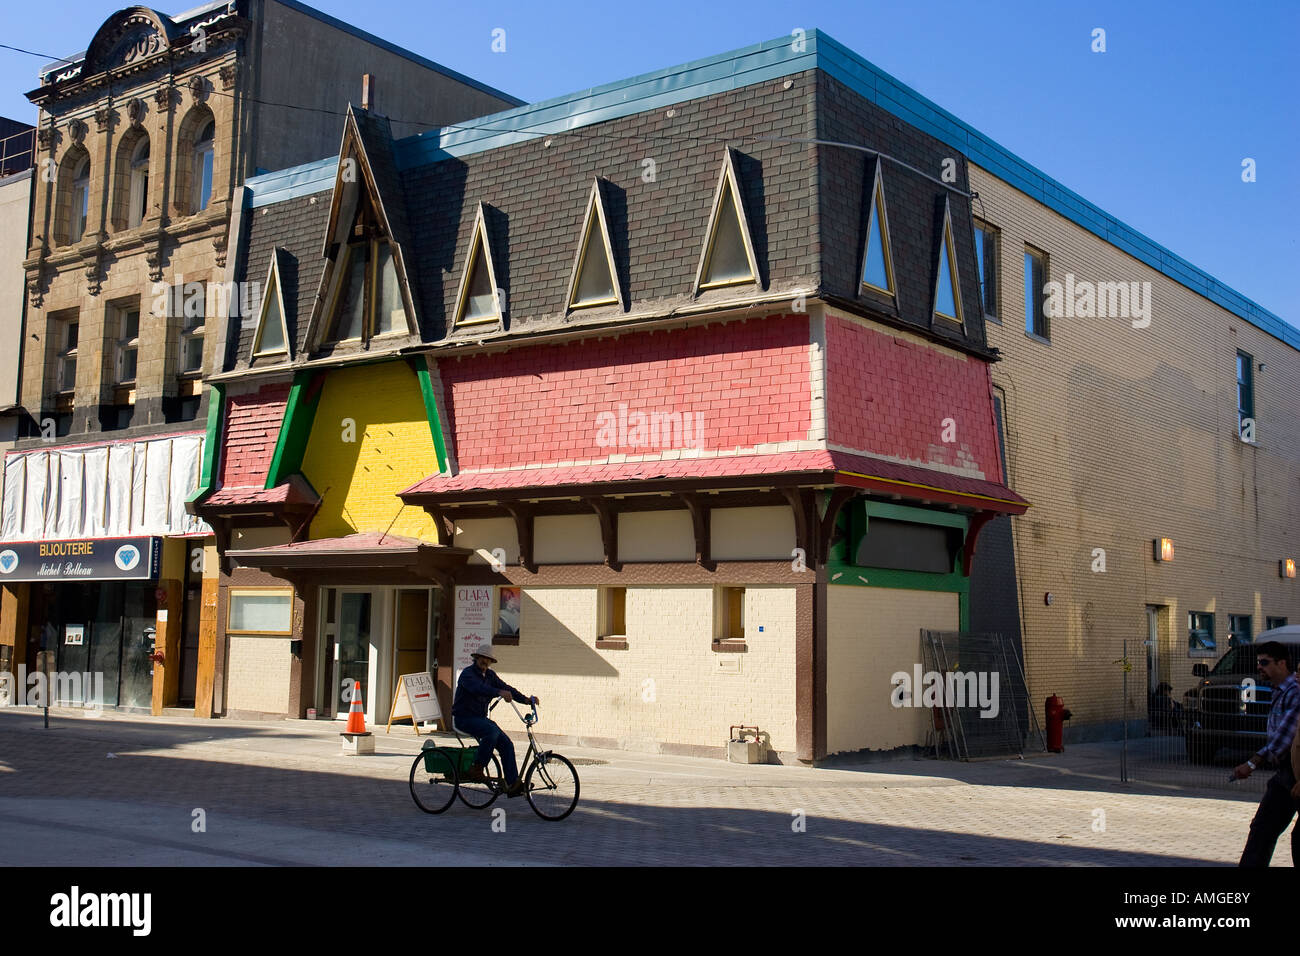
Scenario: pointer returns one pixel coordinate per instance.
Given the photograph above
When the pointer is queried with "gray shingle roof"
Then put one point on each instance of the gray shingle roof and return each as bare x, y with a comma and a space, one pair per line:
807, 204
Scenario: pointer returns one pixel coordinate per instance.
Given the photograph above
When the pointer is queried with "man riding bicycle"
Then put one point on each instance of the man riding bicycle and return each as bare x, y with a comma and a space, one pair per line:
477, 685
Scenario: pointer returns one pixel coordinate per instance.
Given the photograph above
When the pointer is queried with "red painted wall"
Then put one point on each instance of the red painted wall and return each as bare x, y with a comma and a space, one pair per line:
252, 429
886, 396
749, 382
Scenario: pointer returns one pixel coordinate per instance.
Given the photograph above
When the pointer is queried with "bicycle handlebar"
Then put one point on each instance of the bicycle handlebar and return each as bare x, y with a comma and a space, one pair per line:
516, 709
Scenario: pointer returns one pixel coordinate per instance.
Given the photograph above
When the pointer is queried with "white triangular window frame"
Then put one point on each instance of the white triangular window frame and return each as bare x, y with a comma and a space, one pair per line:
272, 282
728, 182
947, 248
350, 192
880, 211
595, 236
479, 248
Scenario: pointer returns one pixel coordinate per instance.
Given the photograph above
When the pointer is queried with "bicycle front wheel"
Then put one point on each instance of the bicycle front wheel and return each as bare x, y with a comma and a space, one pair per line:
479, 794
433, 781
552, 786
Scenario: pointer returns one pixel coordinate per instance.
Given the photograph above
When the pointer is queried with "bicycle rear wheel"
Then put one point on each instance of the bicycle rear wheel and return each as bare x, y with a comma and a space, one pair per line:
552, 786
477, 794
433, 781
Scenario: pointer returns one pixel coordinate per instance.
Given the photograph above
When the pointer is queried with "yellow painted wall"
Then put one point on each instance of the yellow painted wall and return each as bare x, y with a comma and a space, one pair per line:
870, 634
358, 481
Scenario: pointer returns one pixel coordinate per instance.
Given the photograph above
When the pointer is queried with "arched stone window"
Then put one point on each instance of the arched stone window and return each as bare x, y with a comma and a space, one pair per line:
196, 159
73, 208
131, 181
203, 156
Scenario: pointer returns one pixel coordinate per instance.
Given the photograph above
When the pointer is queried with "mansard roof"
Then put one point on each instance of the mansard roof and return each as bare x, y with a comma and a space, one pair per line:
659, 174
850, 87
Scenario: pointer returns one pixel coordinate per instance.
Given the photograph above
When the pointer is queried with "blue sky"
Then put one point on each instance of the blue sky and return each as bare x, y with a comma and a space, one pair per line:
1154, 130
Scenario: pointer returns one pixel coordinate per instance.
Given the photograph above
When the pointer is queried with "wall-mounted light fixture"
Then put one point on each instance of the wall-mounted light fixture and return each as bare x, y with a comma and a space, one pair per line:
1286, 568
1163, 549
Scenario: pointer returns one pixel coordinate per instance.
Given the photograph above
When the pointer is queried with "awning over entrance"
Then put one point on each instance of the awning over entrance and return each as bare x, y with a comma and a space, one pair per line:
364, 551
790, 468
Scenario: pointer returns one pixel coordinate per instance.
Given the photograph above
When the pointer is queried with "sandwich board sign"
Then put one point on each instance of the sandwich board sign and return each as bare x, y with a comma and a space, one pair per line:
415, 699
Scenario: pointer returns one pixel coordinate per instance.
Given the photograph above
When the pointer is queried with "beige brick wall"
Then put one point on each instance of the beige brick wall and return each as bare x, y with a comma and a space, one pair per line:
669, 686
870, 634
257, 670
1118, 435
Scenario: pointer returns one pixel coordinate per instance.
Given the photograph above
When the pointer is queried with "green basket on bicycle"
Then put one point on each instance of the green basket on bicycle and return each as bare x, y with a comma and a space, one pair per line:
438, 758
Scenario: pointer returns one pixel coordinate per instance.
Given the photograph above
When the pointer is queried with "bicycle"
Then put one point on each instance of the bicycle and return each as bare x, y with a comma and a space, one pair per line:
440, 774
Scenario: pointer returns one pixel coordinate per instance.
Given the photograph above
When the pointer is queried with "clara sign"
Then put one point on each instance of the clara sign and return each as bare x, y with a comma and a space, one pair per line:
83, 559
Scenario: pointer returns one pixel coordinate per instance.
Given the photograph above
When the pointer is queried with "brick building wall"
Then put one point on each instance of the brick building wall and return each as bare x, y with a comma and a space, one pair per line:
870, 634
891, 393
542, 404
257, 675
669, 686
1119, 435
370, 439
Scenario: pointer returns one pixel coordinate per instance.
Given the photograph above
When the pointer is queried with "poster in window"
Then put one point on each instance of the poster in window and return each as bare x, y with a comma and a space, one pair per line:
508, 604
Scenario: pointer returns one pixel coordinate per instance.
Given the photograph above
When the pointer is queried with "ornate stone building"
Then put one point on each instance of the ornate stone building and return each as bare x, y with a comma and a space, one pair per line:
140, 140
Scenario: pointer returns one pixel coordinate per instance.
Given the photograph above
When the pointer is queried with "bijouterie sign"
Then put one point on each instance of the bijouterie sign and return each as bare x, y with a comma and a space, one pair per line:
82, 559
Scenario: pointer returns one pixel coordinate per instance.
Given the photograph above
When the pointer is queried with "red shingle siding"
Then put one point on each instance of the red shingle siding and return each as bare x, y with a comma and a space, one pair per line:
534, 405
252, 429
887, 396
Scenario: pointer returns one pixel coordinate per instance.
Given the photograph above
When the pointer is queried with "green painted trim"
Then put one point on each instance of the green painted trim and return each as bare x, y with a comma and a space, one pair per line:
839, 550
851, 574
883, 509
431, 411
295, 429
211, 442
963, 612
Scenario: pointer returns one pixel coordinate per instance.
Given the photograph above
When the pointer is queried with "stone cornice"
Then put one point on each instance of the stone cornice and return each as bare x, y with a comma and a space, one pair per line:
220, 42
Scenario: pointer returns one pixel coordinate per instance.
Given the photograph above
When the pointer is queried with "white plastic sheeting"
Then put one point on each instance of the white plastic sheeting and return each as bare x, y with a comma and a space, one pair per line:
128, 488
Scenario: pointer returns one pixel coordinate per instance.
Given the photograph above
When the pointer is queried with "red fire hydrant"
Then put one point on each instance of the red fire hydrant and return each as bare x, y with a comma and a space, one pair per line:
1057, 715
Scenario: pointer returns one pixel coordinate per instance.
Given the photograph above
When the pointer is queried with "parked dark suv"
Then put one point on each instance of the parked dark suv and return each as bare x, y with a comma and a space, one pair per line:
1229, 705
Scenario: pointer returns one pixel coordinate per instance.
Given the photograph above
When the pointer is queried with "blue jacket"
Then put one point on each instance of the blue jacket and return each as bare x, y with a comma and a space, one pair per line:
475, 689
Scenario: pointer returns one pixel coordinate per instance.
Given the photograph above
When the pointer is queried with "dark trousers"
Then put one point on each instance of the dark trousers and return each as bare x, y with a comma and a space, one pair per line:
1271, 820
491, 736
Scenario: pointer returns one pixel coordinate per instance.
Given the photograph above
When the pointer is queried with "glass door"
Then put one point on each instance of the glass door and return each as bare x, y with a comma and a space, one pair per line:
354, 652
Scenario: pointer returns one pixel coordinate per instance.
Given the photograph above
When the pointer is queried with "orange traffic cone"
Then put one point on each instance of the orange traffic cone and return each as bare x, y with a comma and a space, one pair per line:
356, 714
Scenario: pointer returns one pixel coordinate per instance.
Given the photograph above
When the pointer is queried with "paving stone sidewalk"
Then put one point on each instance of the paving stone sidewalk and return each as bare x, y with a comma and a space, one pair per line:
124, 790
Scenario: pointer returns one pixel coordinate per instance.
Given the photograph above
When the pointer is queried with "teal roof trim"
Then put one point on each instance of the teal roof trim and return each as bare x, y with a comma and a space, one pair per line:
285, 184
762, 62
715, 74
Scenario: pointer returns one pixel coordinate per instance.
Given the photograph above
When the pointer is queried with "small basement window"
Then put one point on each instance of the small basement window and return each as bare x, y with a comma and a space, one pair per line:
612, 614
729, 619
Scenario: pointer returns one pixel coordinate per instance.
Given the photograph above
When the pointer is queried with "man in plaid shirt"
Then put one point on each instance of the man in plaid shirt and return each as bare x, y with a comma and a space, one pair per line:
1277, 806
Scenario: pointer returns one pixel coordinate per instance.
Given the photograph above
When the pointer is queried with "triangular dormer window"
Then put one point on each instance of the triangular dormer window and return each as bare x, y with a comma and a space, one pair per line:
947, 291
728, 255
477, 302
272, 335
877, 262
594, 280
364, 292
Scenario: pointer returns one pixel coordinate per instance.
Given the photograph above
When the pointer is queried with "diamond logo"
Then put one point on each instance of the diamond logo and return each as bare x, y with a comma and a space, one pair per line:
8, 561
127, 557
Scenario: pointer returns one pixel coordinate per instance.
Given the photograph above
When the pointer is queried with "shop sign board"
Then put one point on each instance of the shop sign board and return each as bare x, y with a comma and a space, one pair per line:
81, 559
